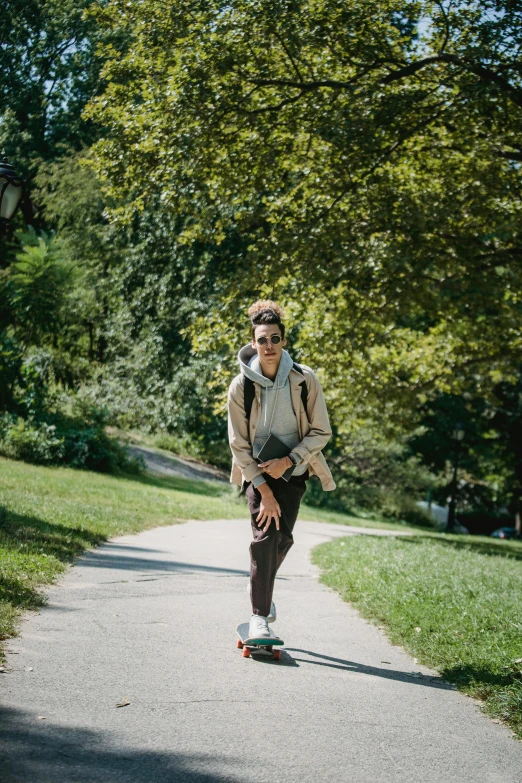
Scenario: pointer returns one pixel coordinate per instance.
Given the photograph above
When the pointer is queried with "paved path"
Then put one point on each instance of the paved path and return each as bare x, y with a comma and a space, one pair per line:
152, 618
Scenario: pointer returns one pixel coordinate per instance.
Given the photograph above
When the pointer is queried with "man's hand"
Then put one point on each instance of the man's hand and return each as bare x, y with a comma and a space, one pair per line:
276, 467
269, 508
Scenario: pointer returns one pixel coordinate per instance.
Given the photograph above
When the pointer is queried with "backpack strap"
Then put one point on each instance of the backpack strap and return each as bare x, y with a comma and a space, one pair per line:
249, 393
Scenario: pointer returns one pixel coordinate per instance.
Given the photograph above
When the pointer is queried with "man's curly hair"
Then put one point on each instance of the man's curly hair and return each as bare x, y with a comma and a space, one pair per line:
265, 311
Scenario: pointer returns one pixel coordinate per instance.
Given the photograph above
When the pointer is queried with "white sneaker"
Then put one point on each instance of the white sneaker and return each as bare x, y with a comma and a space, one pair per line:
272, 617
258, 627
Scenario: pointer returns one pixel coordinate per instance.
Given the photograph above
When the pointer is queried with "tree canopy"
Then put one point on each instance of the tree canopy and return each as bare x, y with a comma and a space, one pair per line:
367, 155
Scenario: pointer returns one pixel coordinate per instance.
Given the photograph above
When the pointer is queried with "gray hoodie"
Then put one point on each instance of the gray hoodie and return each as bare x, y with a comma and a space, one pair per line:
277, 415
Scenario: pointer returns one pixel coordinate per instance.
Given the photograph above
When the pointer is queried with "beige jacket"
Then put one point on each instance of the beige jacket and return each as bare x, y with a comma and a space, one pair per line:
314, 435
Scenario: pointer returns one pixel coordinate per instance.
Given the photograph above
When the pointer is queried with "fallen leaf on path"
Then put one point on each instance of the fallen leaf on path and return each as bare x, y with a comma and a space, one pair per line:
123, 702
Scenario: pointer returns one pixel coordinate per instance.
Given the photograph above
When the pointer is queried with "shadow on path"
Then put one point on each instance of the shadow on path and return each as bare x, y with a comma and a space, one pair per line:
37, 751
97, 559
353, 666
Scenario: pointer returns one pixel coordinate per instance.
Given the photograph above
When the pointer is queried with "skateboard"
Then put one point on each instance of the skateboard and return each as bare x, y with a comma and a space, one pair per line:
259, 644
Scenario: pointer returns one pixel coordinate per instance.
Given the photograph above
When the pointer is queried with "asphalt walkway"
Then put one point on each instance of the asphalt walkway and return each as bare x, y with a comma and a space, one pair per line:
150, 619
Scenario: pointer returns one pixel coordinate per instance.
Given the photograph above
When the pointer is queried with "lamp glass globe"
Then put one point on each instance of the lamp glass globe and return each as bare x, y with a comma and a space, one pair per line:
9, 199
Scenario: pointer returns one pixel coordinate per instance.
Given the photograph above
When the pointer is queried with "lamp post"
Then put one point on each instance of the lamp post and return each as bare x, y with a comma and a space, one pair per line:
11, 186
458, 436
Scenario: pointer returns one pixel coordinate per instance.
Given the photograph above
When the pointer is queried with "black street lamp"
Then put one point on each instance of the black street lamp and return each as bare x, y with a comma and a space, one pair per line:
458, 436
11, 186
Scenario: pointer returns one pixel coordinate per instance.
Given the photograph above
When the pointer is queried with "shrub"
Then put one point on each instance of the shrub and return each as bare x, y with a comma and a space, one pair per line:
10, 364
66, 440
91, 448
369, 503
30, 441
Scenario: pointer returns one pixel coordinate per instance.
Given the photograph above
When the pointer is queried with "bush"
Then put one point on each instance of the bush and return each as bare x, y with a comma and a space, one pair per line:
10, 364
66, 440
91, 448
368, 503
376, 477
179, 411
405, 509
39, 431
30, 441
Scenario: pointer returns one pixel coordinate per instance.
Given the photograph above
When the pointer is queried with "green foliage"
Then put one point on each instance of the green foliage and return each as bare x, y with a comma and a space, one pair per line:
32, 393
216, 452
59, 439
72, 202
40, 280
380, 153
39, 431
491, 453
10, 365
375, 475
30, 441
48, 69
180, 410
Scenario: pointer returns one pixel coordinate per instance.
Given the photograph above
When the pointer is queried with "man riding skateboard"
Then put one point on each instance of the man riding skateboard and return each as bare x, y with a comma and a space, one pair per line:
273, 395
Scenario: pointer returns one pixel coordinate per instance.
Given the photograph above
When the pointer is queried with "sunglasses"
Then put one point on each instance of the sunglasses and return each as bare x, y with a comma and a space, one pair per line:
275, 340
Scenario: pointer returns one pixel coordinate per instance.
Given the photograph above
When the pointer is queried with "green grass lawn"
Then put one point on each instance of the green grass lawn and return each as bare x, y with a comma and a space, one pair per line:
48, 516
454, 602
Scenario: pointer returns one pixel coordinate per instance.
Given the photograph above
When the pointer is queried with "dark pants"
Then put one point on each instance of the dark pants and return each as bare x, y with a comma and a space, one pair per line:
268, 550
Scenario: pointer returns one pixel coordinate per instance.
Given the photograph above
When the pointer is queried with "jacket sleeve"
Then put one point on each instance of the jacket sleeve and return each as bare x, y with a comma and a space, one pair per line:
238, 433
320, 431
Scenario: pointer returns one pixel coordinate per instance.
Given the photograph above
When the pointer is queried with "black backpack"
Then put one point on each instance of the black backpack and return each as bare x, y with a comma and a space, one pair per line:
249, 391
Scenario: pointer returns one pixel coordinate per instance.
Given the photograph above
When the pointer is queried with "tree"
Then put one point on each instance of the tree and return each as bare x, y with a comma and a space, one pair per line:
374, 161
48, 70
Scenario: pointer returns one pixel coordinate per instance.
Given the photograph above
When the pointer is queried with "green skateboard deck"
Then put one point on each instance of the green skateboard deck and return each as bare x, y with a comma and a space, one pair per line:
258, 644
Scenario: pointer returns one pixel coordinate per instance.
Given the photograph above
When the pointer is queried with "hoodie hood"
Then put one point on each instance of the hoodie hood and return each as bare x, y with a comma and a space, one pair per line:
251, 367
